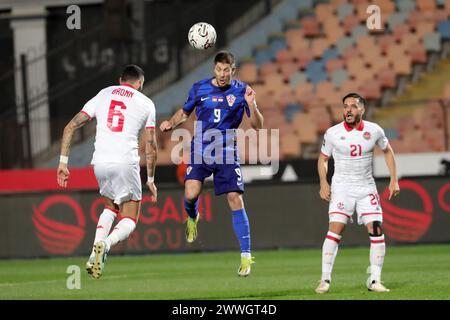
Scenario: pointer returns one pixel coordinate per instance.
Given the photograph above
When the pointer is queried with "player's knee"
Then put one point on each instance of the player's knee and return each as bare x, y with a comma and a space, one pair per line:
190, 195
377, 229
235, 199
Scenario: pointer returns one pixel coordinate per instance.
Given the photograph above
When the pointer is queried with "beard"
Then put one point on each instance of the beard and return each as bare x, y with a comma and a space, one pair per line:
357, 118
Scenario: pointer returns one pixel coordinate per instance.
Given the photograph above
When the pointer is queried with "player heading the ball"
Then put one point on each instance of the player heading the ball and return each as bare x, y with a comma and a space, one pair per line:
219, 103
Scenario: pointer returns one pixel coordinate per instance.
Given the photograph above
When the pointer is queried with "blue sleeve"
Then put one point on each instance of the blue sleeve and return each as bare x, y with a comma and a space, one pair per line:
191, 101
246, 107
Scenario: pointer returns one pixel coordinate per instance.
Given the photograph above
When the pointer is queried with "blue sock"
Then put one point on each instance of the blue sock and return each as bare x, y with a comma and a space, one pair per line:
191, 208
242, 229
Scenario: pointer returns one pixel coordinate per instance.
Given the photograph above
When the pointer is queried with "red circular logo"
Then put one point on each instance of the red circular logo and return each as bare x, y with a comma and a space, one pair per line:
367, 135
57, 237
405, 224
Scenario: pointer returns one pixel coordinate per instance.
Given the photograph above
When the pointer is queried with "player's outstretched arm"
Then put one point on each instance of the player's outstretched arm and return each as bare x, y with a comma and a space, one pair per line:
151, 155
322, 169
77, 122
178, 118
394, 188
256, 117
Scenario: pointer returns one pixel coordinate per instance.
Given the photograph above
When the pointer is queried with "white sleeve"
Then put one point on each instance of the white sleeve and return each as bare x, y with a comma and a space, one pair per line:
92, 105
151, 119
382, 141
327, 146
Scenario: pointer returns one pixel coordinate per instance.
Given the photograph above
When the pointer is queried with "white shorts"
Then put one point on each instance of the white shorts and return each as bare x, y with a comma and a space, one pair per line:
346, 199
119, 182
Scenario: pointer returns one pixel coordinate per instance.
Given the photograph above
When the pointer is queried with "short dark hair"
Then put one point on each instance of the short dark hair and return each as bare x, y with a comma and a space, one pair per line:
356, 96
224, 57
131, 72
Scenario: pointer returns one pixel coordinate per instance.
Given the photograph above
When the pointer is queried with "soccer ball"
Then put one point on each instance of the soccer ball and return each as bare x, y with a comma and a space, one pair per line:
202, 36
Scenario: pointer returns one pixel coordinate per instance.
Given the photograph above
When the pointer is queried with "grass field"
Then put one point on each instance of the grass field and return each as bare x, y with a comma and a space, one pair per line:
411, 272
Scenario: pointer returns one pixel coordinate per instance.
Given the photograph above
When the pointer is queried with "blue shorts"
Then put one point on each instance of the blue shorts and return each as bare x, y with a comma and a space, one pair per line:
227, 177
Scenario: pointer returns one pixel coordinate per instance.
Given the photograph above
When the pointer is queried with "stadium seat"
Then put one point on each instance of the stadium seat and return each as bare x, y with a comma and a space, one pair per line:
432, 41
440, 15
406, 5
410, 39
263, 54
267, 69
334, 34
396, 18
324, 11
334, 64
344, 10
277, 42
379, 64
338, 77
371, 90
444, 29
418, 53
387, 7
285, 55
291, 110
400, 31
330, 53
361, 11
426, 5
424, 27
288, 69
384, 41
343, 43
315, 71
318, 46
403, 66
349, 23
304, 57
248, 72
297, 78
310, 26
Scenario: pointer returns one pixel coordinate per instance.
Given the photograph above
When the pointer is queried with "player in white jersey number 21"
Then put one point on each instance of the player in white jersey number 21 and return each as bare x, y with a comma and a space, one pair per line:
121, 112
351, 144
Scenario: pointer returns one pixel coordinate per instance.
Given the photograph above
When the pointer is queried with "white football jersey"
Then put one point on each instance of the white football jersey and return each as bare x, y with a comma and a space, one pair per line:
352, 151
121, 112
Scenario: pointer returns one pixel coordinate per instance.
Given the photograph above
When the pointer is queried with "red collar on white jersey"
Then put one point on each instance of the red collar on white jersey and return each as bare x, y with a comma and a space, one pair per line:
360, 127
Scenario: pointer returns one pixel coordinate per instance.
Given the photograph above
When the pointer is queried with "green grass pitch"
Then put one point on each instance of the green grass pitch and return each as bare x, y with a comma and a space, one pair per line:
411, 272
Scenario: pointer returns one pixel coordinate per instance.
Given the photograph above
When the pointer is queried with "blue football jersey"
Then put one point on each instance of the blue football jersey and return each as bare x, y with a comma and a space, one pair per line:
217, 110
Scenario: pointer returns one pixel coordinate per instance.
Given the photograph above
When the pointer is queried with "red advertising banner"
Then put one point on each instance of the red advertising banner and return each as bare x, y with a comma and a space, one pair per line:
57, 223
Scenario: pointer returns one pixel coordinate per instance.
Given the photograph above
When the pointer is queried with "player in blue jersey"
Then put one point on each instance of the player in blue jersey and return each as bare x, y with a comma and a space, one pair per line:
219, 103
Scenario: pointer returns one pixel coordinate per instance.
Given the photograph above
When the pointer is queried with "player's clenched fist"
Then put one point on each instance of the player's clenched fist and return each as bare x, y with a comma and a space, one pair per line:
325, 191
165, 126
250, 95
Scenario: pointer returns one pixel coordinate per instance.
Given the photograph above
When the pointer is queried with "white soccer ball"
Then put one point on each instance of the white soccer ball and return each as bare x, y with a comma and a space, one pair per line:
202, 36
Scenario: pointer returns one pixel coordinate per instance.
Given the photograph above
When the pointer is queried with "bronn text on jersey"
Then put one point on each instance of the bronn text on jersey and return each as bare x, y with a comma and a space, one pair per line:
123, 92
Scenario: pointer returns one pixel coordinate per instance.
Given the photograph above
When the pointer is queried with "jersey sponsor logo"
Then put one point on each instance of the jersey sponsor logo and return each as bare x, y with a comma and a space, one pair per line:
367, 135
230, 99
217, 99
